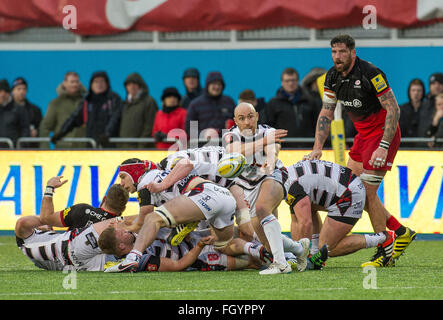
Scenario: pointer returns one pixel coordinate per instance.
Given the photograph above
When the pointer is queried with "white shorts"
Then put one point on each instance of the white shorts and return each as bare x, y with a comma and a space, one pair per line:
251, 194
352, 202
215, 202
46, 249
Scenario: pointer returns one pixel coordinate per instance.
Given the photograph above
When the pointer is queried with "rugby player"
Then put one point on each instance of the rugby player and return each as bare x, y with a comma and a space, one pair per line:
204, 163
327, 186
190, 199
81, 215
364, 92
262, 182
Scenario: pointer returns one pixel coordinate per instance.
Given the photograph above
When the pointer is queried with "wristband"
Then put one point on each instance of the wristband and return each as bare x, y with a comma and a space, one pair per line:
49, 192
384, 145
201, 244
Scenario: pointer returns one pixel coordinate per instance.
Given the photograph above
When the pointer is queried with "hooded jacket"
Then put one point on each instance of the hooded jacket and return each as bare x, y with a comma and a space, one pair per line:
57, 113
210, 111
138, 114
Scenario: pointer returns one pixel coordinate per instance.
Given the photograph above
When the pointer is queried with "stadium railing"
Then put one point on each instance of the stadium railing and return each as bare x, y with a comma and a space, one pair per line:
416, 142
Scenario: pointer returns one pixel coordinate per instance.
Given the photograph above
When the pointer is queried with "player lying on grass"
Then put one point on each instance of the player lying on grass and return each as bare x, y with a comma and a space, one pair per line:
82, 214
327, 186
203, 162
190, 199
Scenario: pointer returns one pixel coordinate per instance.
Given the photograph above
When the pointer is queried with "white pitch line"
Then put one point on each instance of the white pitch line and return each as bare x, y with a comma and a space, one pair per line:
74, 292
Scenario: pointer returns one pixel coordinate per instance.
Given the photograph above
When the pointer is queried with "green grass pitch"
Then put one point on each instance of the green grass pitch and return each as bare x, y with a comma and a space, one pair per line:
417, 276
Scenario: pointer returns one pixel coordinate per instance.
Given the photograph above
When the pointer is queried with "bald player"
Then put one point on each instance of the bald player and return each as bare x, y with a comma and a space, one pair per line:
263, 184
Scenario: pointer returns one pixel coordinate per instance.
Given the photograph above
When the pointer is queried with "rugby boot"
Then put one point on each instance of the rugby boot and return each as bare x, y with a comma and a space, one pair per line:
277, 268
181, 231
317, 260
383, 255
402, 242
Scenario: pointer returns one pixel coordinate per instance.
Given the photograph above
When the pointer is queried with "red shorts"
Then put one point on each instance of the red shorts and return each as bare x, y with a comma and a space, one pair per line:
363, 148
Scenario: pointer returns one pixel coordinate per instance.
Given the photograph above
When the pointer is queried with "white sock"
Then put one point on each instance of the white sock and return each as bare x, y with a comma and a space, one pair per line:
272, 230
134, 255
374, 239
292, 246
252, 249
314, 243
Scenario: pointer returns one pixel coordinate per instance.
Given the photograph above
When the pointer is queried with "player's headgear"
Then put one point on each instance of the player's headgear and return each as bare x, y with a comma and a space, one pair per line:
135, 168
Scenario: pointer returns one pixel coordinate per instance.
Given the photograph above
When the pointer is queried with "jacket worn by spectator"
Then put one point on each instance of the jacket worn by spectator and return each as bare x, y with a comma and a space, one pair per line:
99, 112
35, 117
57, 113
293, 113
14, 122
211, 111
138, 114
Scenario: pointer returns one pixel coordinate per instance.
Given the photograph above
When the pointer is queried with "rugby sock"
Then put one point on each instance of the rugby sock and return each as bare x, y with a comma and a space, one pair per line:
134, 255
252, 249
393, 224
374, 239
314, 243
292, 246
272, 230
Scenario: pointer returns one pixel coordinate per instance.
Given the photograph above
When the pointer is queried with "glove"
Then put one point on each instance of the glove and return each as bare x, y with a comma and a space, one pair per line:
103, 140
56, 137
160, 136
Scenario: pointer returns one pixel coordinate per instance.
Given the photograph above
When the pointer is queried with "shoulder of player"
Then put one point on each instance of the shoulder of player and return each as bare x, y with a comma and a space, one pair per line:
368, 68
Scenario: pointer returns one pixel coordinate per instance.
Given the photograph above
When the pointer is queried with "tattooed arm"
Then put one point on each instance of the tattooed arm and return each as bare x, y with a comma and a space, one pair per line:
322, 130
389, 103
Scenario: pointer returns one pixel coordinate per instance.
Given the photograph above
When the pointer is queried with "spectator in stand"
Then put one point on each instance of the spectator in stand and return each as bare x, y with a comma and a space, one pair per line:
19, 91
170, 120
191, 80
14, 121
292, 109
435, 124
213, 110
70, 93
99, 111
412, 111
259, 104
309, 83
139, 112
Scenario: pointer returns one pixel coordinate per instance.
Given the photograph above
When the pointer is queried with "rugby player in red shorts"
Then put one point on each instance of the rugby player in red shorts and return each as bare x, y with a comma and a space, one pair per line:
363, 91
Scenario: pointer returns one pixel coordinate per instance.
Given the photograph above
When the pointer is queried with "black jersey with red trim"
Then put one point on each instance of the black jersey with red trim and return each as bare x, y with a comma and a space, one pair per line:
358, 91
83, 215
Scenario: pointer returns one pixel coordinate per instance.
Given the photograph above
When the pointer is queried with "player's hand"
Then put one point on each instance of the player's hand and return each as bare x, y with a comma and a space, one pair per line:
275, 136
56, 182
314, 155
208, 240
378, 158
154, 187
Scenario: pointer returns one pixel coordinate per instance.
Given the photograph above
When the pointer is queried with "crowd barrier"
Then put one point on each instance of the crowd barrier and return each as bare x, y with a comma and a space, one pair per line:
412, 191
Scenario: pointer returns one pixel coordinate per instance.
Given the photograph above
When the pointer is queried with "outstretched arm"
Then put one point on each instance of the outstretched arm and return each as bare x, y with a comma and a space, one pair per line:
47, 214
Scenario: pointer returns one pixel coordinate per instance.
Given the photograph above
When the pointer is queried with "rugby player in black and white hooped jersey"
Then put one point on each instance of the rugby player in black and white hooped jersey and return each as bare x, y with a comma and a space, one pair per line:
327, 186
190, 199
203, 162
262, 182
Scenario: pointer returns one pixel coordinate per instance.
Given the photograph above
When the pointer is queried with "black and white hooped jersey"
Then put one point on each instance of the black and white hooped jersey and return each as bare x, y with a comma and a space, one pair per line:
204, 160
323, 181
145, 197
251, 175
